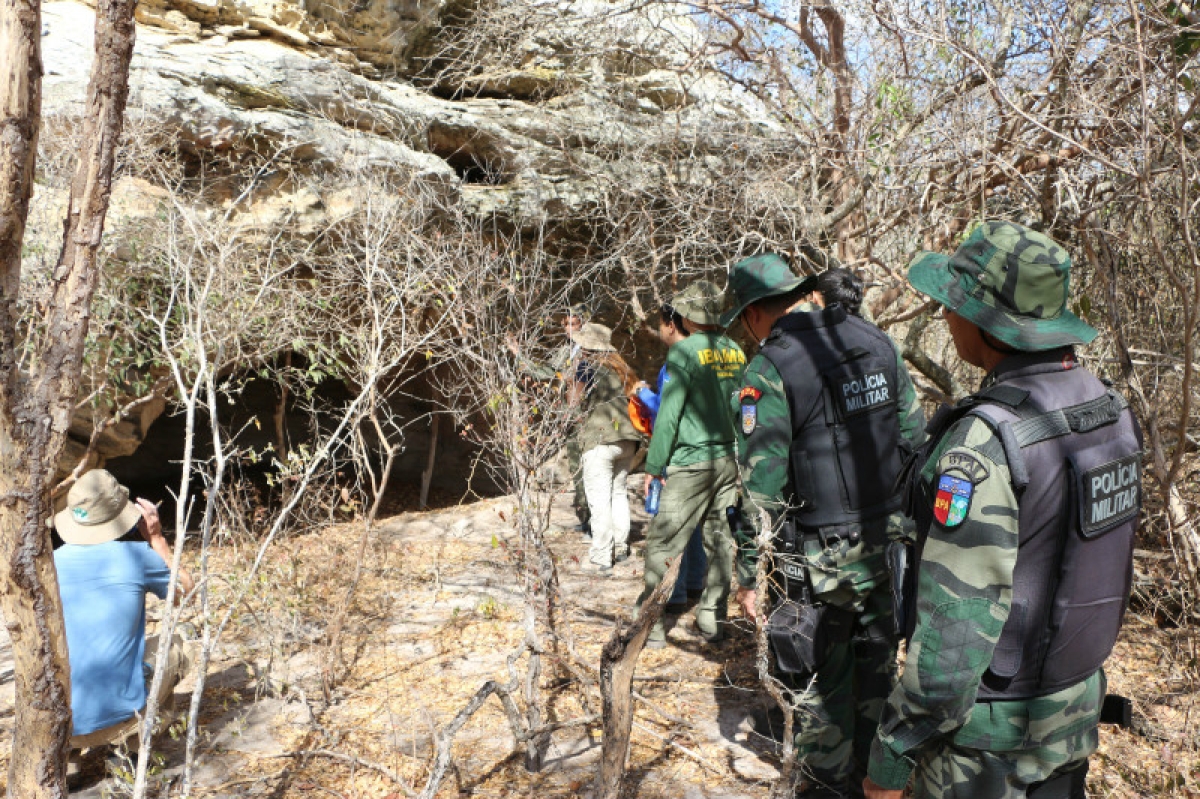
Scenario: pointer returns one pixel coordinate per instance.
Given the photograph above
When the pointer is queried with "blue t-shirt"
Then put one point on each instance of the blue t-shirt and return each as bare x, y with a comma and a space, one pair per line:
103, 589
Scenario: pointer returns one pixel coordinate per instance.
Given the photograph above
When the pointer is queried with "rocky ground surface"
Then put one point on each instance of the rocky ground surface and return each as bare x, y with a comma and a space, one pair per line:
436, 614
450, 615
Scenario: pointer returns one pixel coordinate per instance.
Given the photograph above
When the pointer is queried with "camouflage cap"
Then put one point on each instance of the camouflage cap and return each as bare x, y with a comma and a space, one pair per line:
757, 277
1009, 280
699, 303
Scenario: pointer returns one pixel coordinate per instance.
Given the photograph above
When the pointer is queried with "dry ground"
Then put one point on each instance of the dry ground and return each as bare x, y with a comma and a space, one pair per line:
434, 617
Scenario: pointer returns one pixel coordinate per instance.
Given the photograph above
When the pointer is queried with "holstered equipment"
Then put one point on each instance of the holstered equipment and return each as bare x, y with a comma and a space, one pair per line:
801, 629
1116, 710
897, 557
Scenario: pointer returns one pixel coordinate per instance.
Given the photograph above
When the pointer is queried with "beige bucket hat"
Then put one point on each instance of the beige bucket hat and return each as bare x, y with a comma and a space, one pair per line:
98, 510
594, 338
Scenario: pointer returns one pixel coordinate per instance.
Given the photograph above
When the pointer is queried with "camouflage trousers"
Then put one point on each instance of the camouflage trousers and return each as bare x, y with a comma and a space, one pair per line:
1011, 750
695, 494
839, 707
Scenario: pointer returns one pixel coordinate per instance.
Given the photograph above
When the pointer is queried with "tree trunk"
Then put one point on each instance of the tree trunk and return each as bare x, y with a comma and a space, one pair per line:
427, 475
35, 412
28, 589
618, 661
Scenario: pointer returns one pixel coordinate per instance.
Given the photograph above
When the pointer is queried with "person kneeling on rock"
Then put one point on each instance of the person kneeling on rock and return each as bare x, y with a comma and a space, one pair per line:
113, 553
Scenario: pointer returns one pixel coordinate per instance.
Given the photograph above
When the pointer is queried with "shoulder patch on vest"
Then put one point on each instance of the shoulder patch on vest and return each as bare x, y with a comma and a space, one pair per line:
965, 463
952, 500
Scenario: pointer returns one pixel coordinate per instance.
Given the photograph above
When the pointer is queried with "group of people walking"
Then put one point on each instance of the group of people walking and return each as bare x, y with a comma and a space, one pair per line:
997, 541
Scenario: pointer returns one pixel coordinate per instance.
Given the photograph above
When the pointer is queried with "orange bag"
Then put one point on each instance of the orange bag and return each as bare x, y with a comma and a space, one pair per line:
639, 414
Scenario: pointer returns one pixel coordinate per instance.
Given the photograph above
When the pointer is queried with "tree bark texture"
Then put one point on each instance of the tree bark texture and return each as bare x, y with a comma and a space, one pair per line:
618, 661
35, 411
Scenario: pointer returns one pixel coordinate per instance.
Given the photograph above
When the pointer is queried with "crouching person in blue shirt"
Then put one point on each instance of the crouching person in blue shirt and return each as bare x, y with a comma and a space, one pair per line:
113, 553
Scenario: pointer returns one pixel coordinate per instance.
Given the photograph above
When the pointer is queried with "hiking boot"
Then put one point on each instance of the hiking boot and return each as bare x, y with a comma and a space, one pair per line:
675, 608
816, 790
598, 569
708, 626
710, 635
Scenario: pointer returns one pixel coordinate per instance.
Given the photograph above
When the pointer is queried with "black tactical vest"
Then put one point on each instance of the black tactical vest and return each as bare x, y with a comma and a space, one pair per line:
1074, 455
840, 376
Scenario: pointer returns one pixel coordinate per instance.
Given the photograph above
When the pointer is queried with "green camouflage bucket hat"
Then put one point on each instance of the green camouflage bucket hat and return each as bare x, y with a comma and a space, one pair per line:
1009, 280
699, 303
759, 276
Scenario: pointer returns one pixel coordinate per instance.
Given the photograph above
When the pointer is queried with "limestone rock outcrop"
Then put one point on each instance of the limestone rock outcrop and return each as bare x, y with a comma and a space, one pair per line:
526, 114
224, 78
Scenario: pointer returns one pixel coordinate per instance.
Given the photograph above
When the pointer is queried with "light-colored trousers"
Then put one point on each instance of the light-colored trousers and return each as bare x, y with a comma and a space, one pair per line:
605, 470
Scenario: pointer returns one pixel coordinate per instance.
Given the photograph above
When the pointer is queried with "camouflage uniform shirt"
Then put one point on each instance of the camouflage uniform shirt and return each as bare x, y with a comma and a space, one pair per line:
764, 454
964, 594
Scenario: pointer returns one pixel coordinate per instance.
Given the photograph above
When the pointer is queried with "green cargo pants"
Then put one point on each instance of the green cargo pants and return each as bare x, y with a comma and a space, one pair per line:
691, 494
839, 709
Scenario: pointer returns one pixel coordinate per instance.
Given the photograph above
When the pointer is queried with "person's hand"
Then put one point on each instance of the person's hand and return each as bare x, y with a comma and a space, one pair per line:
873, 791
150, 526
646, 483
747, 599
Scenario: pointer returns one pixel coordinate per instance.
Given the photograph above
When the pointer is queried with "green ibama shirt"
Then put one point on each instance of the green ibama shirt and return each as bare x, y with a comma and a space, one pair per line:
694, 421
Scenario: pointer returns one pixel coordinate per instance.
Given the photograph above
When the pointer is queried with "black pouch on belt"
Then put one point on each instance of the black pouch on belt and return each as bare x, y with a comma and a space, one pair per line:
796, 634
801, 629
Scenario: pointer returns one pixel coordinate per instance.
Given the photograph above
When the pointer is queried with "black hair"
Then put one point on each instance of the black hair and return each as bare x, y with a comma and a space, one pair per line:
672, 317
840, 285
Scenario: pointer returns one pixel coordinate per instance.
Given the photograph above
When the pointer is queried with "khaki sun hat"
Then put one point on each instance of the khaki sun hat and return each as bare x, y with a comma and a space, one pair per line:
98, 510
594, 338
1009, 280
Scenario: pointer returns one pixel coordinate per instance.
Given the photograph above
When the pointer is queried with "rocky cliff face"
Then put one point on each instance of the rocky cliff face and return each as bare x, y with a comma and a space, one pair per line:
571, 110
524, 114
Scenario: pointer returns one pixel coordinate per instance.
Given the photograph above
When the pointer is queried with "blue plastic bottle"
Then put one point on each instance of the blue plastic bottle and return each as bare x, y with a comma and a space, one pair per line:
652, 496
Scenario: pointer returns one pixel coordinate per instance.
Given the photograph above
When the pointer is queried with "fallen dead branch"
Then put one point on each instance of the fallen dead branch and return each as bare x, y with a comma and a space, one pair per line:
618, 660
678, 747
445, 741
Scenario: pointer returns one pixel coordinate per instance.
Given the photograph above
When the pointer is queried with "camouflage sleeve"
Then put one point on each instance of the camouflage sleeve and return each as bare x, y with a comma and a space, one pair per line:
670, 409
765, 434
964, 591
912, 418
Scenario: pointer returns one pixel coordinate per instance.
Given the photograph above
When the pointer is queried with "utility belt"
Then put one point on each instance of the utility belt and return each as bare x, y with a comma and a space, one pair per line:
802, 629
793, 535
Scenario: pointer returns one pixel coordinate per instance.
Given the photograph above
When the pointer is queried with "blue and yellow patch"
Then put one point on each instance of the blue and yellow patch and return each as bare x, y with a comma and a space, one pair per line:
952, 500
749, 418
748, 398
